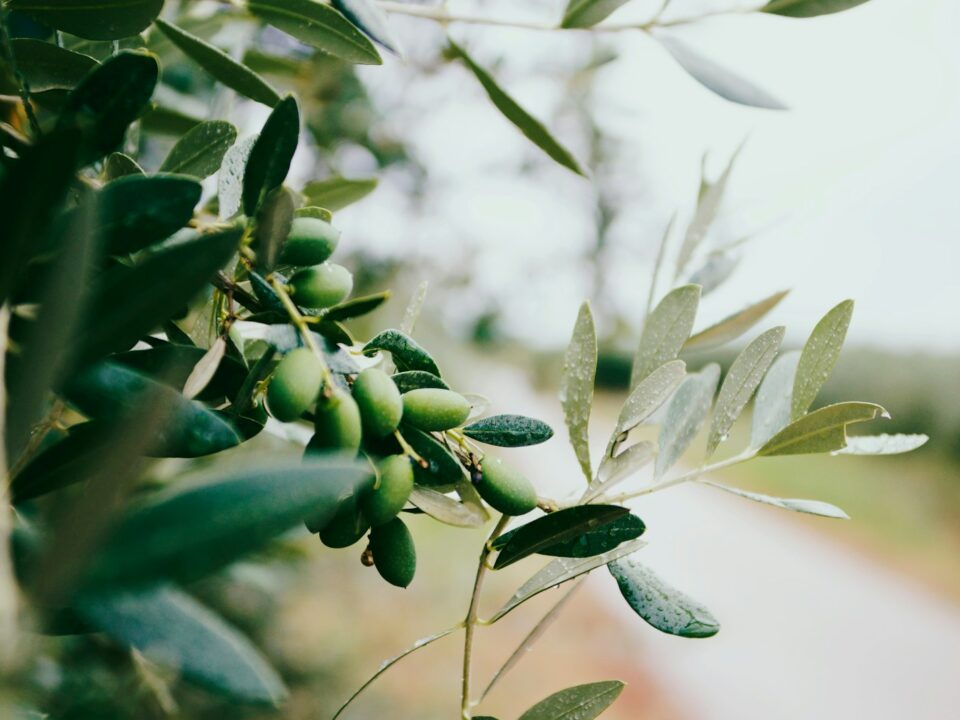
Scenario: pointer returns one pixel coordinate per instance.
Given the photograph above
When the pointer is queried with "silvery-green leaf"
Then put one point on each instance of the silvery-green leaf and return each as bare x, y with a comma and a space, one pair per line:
823, 430
582, 702
336, 193
509, 431
616, 469
715, 270
373, 21
230, 180
810, 507
648, 395
883, 444
733, 326
719, 80
819, 357
412, 311
742, 379
685, 416
586, 13
447, 510
665, 330
771, 411
662, 606
205, 369
809, 8
576, 386
200, 152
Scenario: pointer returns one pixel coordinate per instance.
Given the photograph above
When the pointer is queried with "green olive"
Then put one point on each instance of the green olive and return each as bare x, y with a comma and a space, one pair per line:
345, 528
393, 552
381, 406
310, 242
321, 286
337, 424
295, 384
381, 505
433, 409
505, 489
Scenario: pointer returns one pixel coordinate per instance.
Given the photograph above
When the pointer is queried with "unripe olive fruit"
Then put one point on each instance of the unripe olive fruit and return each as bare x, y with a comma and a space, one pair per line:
344, 529
381, 505
337, 424
505, 489
381, 406
295, 384
433, 409
310, 242
321, 286
393, 552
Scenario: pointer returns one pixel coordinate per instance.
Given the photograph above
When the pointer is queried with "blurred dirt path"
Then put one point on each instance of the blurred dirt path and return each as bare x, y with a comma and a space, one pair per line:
811, 628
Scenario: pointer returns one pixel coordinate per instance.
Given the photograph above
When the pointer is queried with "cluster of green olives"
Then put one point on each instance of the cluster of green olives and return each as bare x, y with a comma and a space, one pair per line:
368, 418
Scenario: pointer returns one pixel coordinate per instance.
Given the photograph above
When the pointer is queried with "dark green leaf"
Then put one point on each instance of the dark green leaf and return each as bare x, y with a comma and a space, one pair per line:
274, 220
819, 356
163, 120
526, 123
97, 20
269, 159
592, 542
373, 21
200, 152
49, 67
337, 192
334, 332
823, 430
118, 165
356, 307
444, 469
318, 25
416, 379
586, 13
189, 534
407, 352
553, 530
173, 629
662, 606
581, 702
173, 363
809, 8
220, 65
509, 431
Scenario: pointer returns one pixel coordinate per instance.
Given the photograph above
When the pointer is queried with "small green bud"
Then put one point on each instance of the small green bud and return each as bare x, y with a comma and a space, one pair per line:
382, 504
433, 409
394, 553
337, 425
381, 406
295, 384
321, 286
310, 242
505, 489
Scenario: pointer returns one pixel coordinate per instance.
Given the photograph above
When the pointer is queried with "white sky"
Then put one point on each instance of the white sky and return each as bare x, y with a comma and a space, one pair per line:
850, 193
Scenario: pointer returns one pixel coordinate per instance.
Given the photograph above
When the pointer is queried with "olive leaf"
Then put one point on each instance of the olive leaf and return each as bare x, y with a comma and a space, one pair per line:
581, 702
823, 430
230, 180
274, 220
685, 415
270, 157
585, 13
205, 369
49, 67
592, 541
526, 123
733, 326
337, 193
356, 307
373, 21
771, 410
99, 20
810, 507
448, 510
809, 8
200, 152
819, 356
118, 165
417, 379
883, 444
576, 386
407, 353
617, 468
509, 431
443, 468
173, 363
665, 330
662, 606
716, 269
649, 394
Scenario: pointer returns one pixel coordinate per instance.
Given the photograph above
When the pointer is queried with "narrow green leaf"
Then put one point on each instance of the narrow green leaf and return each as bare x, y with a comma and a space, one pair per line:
526, 123
102, 20
617, 468
373, 21
49, 67
823, 430
173, 364
318, 25
743, 378
560, 571
163, 120
586, 13
733, 326
716, 269
221, 66
594, 541
809, 8
576, 386
819, 356
200, 152
314, 212
883, 444
665, 330
337, 193
274, 220
230, 179
191, 533
719, 80
271, 154
205, 370
648, 395
581, 702
509, 431
554, 530
173, 629
771, 411
685, 415
356, 307
447, 510
810, 507
662, 606
407, 353
416, 379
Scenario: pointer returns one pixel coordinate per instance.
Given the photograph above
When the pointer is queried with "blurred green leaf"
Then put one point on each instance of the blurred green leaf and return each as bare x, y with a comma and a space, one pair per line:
407, 353
743, 378
191, 533
314, 212
582, 702
221, 66
819, 356
509, 431
448, 510
810, 507
557, 530
318, 25
733, 326
662, 606
175, 630
416, 379
771, 411
356, 307
665, 331
686, 413
576, 386
95, 20
49, 67
586, 13
274, 220
883, 444
162, 120
809, 8
200, 152
373, 21
823, 430
337, 193
526, 123
271, 154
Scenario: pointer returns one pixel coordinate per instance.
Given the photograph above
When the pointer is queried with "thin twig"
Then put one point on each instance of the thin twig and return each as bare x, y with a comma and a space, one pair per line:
297, 319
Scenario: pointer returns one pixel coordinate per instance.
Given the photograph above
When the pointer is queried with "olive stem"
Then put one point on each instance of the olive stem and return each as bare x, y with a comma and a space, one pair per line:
409, 451
470, 621
297, 319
